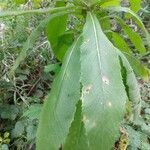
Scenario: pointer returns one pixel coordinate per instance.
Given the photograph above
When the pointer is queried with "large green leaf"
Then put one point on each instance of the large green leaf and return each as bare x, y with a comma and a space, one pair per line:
133, 36
103, 92
132, 87
60, 105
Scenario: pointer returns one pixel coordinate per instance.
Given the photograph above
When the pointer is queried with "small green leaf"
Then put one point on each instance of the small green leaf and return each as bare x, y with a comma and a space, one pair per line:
6, 135
1, 55
52, 67
139, 69
6, 141
136, 18
33, 111
137, 139
4, 147
31, 132
104, 21
54, 30
88, 2
8, 112
64, 42
133, 36
37, 3
19, 1
1, 139
19, 129
135, 5
120, 43
110, 3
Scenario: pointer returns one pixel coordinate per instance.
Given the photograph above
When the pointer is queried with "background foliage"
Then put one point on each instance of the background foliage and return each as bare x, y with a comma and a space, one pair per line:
21, 99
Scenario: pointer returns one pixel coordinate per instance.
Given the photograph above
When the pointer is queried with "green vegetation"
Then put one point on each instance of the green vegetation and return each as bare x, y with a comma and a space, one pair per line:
71, 72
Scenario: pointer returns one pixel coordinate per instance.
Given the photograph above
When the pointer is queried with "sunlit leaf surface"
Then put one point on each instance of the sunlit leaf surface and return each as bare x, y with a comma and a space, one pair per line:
103, 92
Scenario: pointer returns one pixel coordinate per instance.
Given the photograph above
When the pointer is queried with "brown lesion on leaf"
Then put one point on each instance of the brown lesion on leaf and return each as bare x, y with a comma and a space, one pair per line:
85, 120
87, 89
86, 41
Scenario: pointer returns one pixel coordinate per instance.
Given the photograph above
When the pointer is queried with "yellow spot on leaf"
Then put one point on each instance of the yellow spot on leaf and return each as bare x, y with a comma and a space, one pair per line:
109, 104
105, 80
85, 120
87, 89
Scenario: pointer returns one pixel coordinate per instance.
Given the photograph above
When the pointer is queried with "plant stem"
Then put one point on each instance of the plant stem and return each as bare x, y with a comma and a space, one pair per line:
37, 11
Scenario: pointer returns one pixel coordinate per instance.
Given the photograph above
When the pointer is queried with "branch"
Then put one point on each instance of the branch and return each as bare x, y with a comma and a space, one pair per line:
36, 11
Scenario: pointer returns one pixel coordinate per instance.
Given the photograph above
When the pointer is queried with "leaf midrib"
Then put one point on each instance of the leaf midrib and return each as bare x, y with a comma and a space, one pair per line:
97, 49
65, 69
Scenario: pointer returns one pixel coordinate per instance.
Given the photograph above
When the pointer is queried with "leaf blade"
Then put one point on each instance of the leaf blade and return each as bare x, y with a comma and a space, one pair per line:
133, 36
98, 84
55, 29
120, 43
139, 69
132, 86
111, 3
61, 102
135, 5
